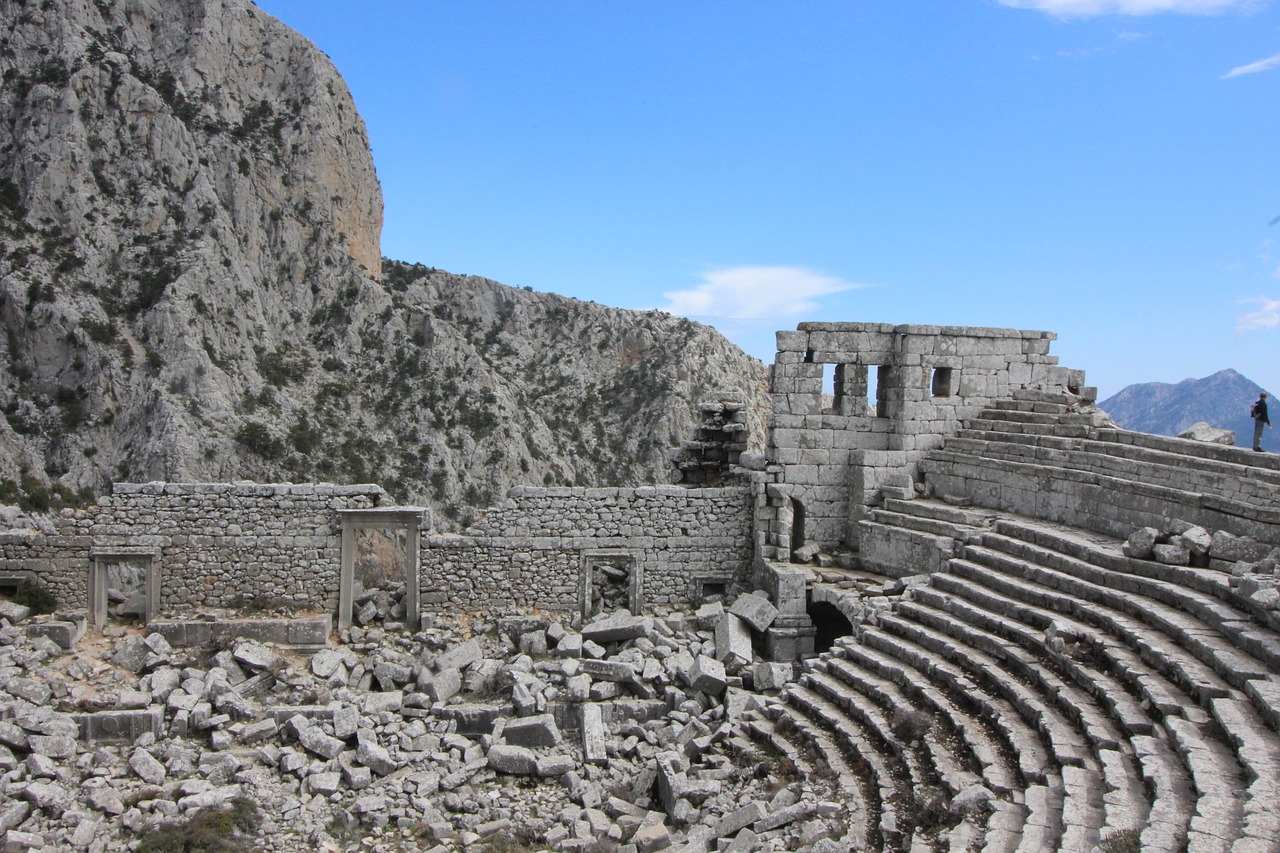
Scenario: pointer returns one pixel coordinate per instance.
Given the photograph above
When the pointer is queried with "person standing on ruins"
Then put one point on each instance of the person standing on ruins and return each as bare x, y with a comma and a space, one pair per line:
1259, 412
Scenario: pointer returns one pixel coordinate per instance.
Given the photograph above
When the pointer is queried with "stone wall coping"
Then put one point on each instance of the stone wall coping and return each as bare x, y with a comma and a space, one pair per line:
249, 489
550, 492
936, 331
109, 551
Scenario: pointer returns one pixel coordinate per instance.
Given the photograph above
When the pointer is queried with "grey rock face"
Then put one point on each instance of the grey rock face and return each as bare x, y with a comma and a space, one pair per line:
196, 213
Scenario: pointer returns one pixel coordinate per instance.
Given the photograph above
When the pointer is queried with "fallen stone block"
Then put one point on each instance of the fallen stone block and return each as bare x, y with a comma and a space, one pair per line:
1202, 431
540, 730
755, 609
149, 769
1140, 543
733, 642
376, 703
708, 676
459, 656
608, 670
594, 735
315, 740
550, 766
254, 732
375, 757
257, 656
738, 819
1172, 555
13, 611
512, 760
442, 686
617, 627
17, 842
772, 676
324, 784
709, 615
65, 634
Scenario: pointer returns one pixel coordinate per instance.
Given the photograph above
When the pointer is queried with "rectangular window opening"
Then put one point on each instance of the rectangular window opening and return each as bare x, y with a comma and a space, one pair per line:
941, 384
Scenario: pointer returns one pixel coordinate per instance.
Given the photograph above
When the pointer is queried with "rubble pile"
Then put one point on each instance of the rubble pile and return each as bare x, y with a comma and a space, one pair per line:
518, 733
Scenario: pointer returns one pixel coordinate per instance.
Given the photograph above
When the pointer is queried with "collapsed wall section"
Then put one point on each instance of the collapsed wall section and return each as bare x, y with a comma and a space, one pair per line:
558, 548
856, 405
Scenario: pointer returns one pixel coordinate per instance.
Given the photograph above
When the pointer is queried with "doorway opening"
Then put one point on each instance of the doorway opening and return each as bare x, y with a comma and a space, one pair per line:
829, 625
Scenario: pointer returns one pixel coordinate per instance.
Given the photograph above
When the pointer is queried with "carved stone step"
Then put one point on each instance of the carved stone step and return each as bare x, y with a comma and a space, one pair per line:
1214, 610
1027, 626
983, 656
985, 751
1138, 622
927, 650
886, 787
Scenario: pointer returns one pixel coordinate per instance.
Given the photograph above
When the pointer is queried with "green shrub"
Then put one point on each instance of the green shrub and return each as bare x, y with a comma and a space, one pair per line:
1123, 841
33, 594
210, 830
257, 438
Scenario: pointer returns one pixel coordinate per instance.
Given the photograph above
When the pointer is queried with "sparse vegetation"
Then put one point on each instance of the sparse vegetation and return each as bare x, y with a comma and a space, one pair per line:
210, 830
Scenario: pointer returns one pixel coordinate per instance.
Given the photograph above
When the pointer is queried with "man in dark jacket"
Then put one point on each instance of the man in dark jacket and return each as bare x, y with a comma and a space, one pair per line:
1260, 418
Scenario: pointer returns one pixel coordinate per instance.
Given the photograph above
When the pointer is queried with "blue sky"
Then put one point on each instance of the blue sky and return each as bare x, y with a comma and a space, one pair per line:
1105, 169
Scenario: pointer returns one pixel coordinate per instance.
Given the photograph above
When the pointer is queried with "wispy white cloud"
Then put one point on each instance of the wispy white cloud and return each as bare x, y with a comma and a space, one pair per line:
1092, 8
1267, 315
755, 293
1254, 67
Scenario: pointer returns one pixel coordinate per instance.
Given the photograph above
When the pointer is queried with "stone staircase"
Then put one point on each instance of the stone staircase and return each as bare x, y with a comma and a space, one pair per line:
1087, 696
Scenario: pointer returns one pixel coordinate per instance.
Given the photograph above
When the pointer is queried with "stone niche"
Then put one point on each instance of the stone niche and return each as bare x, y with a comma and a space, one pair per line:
610, 580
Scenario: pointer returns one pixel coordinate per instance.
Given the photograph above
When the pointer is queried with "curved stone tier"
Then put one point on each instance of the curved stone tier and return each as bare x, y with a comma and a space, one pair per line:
1091, 696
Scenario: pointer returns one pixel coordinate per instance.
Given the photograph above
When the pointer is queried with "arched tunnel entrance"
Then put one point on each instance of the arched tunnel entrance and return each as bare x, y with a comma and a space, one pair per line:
829, 624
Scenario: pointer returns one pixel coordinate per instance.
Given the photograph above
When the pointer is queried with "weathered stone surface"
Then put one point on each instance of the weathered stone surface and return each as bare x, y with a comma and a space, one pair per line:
257, 656
594, 735
315, 740
513, 760
149, 770
733, 642
755, 609
1202, 431
607, 670
1140, 543
1171, 554
617, 627
708, 676
540, 730
375, 757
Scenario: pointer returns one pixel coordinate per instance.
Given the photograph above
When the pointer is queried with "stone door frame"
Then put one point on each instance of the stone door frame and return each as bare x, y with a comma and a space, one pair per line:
407, 519
635, 583
102, 558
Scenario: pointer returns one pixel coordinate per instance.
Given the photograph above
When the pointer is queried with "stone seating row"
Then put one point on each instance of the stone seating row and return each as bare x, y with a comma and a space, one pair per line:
1071, 676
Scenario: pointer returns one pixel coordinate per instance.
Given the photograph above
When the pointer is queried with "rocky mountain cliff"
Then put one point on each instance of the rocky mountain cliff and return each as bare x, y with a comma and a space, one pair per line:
191, 288
1221, 400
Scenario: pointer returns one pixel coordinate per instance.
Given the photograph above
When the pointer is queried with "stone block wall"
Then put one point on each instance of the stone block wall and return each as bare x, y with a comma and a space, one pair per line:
529, 552
219, 544
834, 452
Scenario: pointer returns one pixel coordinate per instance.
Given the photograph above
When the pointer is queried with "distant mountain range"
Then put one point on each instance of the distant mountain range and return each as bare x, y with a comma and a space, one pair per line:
1221, 400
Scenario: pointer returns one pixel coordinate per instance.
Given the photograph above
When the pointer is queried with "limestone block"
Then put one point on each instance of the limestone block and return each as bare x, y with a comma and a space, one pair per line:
460, 656
617, 627
315, 740
707, 675
149, 770
539, 730
594, 735
1140, 543
513, 760
733, 642
1172, 555
1196, 540
374, 756
604, 670
755, 609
